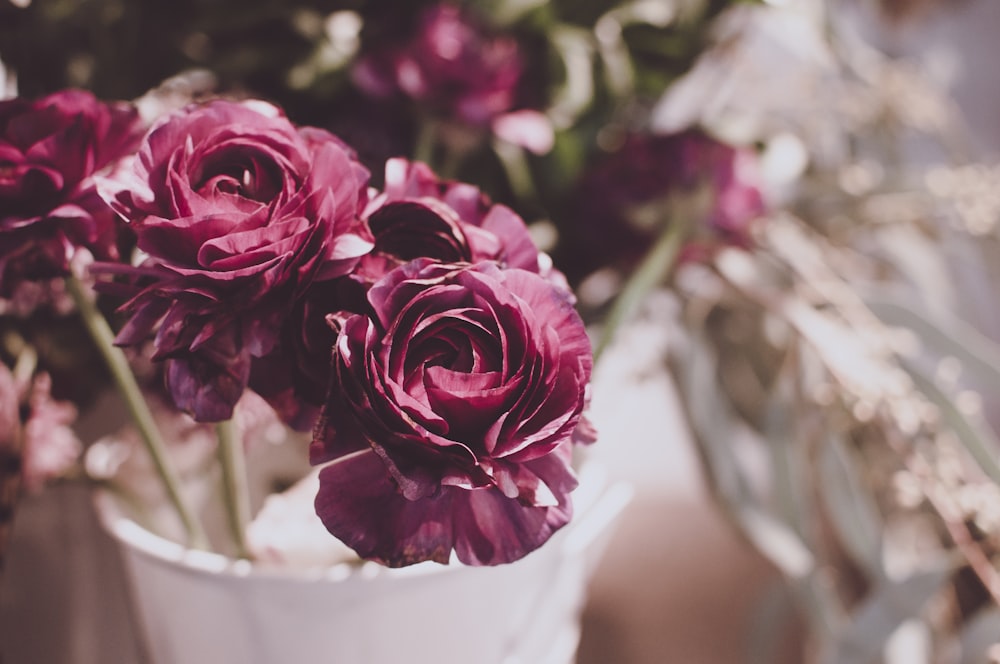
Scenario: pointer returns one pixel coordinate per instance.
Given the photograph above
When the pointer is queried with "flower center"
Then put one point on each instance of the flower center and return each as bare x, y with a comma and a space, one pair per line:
247, 178
7, 170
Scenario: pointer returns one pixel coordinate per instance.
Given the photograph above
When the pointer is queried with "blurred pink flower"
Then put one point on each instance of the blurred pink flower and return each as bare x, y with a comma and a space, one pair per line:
457, 69
50, 444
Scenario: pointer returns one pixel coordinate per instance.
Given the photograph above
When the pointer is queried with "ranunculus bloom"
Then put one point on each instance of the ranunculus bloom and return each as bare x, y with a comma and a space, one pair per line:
451, 416
239, 213
294, 377
49, 150
421, 216
624, 200
456, 69
416, 216
448, 63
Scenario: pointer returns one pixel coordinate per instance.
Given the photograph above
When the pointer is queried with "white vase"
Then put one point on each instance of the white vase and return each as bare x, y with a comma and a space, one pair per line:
200, 607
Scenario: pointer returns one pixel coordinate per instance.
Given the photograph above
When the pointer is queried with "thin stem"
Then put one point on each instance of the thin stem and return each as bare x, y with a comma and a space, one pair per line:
236, 494
517, 170
24, 367
426, 142
142, 417
653, 269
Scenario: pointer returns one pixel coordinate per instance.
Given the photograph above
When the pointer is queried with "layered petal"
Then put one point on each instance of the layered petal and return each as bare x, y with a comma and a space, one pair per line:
241, 214
51, 151
455, 397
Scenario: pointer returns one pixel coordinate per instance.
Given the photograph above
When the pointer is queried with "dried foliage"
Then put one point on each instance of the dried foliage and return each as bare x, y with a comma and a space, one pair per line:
840, 377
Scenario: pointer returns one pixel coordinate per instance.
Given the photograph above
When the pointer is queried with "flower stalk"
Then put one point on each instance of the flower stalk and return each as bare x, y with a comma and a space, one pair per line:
653, 269
235, 492
117, 364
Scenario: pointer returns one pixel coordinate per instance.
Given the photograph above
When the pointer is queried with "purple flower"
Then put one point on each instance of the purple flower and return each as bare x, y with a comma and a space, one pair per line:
239, 213
456, 69
451, 416
49, 150
417, 216
626, 197
421, 216
448, 63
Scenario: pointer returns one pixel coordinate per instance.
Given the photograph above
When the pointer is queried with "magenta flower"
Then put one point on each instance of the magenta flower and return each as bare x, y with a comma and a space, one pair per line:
448, 63
456, 69
451, 416
49, 150
239, 212
417, 216
421, 216
626, 197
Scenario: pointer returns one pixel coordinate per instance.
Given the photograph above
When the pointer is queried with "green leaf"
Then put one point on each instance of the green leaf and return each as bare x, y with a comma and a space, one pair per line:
576, 49
777, 541
719, 430
852, 509
888, 606
782, 435
712, 421
618, 65
507, 12
974, 434
980, 636
656, 265
946, 336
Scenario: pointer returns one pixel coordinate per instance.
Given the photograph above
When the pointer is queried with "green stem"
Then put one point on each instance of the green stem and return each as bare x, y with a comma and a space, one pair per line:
423, 148
516, 168
653, 269
25, 365
124, 379
236, 494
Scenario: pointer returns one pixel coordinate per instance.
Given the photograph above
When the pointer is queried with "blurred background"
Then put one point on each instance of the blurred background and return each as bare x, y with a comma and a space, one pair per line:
780, 221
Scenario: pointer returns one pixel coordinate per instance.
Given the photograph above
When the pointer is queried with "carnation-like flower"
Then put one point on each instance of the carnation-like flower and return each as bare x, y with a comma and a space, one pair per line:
49, 150
451, 416
625, 199
239, 212
455, 68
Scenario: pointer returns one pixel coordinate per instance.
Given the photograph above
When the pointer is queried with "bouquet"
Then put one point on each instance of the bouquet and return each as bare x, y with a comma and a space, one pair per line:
414, 329
329, 264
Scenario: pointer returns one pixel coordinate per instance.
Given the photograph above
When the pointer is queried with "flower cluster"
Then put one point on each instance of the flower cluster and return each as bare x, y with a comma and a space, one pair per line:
49, 207
434, 350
